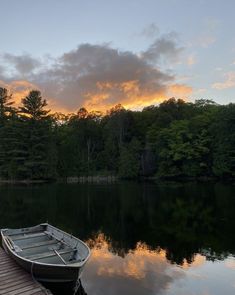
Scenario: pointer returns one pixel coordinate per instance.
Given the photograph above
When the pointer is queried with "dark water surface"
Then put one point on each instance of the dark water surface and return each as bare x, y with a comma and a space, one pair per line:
170, 239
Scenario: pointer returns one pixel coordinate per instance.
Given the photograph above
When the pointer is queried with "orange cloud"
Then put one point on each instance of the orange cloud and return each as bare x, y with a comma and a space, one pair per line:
133, 96
19, 89
136, 262
140, 271
180, 90
56, 107
96, 101
99, 77
197, 261
130, 94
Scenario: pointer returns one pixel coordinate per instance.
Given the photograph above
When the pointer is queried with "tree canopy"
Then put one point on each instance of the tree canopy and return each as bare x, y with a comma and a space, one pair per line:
171, 140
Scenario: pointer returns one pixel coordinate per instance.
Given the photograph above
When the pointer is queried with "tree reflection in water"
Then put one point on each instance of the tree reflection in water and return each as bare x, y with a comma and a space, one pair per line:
65, 288
135, 230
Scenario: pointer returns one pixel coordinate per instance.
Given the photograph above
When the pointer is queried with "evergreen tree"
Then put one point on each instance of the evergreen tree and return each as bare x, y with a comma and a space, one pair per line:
33, 106
37, 126
15, 146
6, 113
6, 103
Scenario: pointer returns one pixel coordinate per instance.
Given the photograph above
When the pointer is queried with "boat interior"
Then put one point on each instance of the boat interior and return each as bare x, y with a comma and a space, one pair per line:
46, 244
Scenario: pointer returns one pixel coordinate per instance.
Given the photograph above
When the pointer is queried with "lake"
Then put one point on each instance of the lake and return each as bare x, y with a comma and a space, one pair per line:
170, 238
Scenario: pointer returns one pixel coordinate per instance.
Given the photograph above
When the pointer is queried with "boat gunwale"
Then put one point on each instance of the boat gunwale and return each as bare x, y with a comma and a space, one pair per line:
72, 265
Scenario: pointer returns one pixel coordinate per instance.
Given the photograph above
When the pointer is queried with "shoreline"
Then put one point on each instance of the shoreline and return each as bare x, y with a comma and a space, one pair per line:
113, 179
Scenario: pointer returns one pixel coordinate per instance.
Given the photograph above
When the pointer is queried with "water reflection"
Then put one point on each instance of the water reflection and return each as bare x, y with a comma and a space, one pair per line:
146, 238
66, 288
148, 271
142, 271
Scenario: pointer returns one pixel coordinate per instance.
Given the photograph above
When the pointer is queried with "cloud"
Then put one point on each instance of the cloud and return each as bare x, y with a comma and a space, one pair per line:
18, 89
99, 76
2, 70
165, 47
228, 83
150, 31
198, 261
180, 90
23, 64
142, 271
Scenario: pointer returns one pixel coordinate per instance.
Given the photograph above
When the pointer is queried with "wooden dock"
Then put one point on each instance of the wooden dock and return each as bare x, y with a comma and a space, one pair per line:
14, 280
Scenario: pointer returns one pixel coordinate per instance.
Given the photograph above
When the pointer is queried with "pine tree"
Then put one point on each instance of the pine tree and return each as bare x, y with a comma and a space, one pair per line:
33, 106
37, 127
6, 103
6, 114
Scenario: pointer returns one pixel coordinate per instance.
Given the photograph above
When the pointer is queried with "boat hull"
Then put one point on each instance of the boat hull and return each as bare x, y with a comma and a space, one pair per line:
45, 272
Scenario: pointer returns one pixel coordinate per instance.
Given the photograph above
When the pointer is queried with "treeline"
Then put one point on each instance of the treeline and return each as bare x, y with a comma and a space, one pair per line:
172, 140
170, 216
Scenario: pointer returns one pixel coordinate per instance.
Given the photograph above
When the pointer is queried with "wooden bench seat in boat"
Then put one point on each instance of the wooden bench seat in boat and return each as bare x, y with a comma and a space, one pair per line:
52, 254
26, 236
39, 244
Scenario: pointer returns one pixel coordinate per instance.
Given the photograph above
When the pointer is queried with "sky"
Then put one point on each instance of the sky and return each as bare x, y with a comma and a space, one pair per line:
96, 54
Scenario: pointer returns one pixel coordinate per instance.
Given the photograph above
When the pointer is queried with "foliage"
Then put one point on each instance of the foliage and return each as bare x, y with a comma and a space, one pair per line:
173, 139
129, 160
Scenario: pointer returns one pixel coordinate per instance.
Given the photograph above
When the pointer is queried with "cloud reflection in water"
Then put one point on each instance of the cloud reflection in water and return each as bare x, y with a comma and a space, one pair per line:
141, 271
146, 271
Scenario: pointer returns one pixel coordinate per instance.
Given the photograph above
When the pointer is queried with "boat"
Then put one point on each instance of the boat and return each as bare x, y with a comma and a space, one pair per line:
48, 253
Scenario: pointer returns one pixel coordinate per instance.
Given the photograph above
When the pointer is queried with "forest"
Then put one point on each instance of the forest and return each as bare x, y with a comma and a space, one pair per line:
173, 140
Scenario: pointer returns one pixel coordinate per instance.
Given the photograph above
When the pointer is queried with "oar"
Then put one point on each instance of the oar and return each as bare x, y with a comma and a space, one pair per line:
60, 256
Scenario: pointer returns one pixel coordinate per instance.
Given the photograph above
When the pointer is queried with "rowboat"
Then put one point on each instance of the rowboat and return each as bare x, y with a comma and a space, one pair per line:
48, 253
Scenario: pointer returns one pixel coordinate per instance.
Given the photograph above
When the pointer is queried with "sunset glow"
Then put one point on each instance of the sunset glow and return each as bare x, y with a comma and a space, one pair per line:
154, 58
130, 93
117, 125
137, 262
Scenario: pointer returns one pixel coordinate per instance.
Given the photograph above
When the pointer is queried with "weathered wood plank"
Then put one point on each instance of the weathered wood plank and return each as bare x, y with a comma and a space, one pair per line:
8, 282
7, 267
14, 280
30, 292
19, 286
12, 284
21, 290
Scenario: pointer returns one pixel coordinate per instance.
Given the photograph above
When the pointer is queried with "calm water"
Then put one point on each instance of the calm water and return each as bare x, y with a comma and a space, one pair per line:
166, 239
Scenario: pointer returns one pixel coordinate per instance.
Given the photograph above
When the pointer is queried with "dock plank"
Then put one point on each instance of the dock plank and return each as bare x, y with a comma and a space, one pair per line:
14, 280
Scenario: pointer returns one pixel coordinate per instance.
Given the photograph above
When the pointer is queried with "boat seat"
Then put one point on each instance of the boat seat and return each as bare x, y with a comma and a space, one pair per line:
39, 244
36, 257
23, 233
27, 236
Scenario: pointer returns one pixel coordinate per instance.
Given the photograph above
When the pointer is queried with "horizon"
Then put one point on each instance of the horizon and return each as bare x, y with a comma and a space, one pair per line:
118, 106
80, 55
